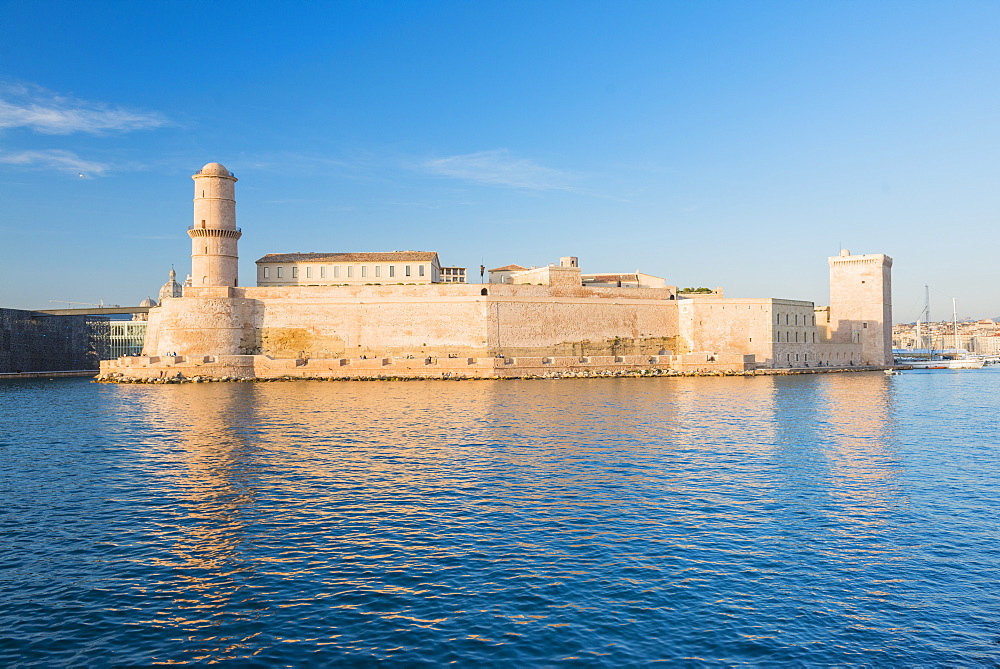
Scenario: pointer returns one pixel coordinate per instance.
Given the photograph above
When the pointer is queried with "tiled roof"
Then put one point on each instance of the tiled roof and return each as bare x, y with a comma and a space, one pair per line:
391, 256
509, 268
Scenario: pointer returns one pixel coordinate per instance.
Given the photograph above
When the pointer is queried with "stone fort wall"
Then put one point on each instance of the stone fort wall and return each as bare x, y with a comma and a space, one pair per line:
438, 320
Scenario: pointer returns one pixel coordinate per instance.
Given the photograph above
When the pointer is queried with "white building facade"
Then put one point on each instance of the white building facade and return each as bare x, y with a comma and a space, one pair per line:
348, 269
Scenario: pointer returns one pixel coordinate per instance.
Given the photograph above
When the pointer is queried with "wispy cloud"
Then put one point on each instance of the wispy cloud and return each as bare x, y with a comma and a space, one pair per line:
498, 167
64, 161
36, 108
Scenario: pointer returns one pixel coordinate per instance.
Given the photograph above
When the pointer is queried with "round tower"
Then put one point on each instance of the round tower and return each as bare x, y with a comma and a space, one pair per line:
214, 257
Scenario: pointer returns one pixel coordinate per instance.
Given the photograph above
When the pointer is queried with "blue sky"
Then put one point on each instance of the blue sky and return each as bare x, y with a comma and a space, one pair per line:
734, 144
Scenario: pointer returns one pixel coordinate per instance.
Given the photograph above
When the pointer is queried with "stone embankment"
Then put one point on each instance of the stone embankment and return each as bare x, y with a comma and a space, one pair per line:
48, 375
118, 377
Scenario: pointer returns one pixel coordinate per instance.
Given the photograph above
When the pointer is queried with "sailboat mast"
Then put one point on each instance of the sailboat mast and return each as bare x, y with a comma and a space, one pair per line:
954, 321
927, 321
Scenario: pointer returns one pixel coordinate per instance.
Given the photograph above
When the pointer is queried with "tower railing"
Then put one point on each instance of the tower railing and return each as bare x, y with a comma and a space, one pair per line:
214, 173
201, 227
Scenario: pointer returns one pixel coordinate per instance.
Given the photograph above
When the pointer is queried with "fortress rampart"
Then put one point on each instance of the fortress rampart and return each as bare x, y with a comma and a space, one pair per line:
437, 320
530, 322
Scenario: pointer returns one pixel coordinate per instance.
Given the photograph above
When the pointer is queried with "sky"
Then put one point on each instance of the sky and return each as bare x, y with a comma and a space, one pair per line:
716, 143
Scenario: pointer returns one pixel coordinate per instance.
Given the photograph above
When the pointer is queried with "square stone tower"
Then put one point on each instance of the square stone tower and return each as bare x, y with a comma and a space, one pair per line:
861, 304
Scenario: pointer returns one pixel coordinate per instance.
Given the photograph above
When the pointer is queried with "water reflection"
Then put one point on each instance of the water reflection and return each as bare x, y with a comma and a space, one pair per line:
199, 542
522, 521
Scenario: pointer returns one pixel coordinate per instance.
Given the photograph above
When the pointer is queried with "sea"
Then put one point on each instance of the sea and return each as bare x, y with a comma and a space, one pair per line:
827, 519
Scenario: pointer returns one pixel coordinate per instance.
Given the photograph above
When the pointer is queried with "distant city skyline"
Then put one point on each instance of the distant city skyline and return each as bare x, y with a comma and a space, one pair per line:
713, 144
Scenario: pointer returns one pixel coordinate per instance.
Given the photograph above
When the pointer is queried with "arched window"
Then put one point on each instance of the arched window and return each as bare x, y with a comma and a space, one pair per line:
484, 292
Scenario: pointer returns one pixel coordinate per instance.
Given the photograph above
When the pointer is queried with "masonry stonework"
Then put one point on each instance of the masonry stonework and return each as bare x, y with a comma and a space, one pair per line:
540, 321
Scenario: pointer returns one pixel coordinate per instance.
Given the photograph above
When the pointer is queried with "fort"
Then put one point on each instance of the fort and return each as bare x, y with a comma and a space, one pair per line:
401, 315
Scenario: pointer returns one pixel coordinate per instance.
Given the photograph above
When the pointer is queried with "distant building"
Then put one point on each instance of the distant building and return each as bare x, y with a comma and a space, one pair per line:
351, 269
503, 274
171, 288
629, 280
32, 342
452, 275
126, 337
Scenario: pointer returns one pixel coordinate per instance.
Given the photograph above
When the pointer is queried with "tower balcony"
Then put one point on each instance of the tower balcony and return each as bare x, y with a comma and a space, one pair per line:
197, 231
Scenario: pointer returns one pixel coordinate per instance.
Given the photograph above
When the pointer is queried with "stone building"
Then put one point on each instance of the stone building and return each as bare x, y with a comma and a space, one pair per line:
171, 288
452, 275
396, 317
348, 269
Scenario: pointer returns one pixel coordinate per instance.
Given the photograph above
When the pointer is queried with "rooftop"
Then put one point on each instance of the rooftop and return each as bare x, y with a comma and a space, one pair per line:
388, 256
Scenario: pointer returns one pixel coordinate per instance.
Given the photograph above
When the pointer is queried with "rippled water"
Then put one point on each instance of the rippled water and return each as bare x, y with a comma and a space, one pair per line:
800, 520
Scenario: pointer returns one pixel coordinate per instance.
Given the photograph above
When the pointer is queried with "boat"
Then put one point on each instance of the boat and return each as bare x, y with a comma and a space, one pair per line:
891, 372
962, 361
958, 363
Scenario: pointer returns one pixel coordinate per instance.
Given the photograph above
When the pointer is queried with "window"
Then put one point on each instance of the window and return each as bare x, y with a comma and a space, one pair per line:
392, 270
280, 271
295, 272
350, 271
796, 337
322, 272
267, 272
777, 319
378, 270
420, 270
309, 272
364, 271
407, 270
786, 319
336, 271
865, 324
814, 337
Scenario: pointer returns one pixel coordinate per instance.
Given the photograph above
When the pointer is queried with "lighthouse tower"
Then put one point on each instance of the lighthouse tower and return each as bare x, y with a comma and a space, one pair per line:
214, 234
